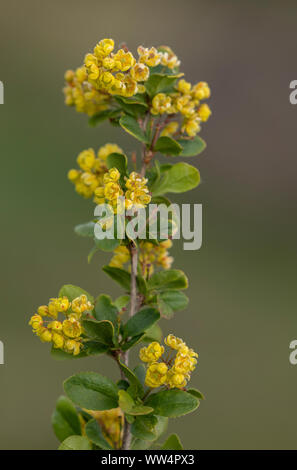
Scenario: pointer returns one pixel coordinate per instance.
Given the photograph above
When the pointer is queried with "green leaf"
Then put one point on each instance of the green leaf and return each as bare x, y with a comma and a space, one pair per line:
119, 275
105, 309
135, 388
128, 405
140, 322
122, 301
91, 348
172, 443
92, 391
172, 403
132, 106
92, 252
160, 83
65, 420
76, 443
168, 279
196, 393
143, 427
129, 344
130, 125
191, 147
85, 230
180, 178
168, 146
102, 116
154, 333
107, 244
171, 301
72, 292
94, 433
159, 429
140, 372
117, 160
102, 331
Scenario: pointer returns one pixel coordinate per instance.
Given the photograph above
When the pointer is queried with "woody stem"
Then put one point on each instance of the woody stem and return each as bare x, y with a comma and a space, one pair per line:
133, 303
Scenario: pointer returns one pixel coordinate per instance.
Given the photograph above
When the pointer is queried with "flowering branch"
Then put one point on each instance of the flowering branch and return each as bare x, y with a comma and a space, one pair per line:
149, 100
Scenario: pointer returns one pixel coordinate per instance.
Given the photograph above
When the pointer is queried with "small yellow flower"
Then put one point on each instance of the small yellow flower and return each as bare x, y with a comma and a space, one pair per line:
150, 57
156, 374
36, 322
170, 129
112, 176
55, 326
72, 328
191, 127
58, 340
201, 91
161, 104
104, 48
173, 342
184, 87
120, 257
81, 74
73, 175
204, 112
43, 310
45, 335
112, 425
140, 72
72, 346
86, 159
107, 149
81, 304
123, 60
151, 353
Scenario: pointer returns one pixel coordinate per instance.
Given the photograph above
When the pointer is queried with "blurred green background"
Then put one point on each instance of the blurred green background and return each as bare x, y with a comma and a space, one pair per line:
242, 313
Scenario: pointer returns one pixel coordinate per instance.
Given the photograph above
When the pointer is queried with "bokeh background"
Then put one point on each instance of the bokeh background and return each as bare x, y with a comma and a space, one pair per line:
242, 314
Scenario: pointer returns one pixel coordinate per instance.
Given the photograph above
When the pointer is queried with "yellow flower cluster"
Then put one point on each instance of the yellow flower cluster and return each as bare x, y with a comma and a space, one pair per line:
65, 335
149, 256
137, 193
112, 425
175, 370
153, 57
90, 176
114, 73
80, 94
186, 102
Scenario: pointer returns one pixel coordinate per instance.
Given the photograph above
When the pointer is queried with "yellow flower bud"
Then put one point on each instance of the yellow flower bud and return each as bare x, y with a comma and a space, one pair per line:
58, 340
36, 322
204, 112
43, 310
184, 87
73, 175
45, 335
55, 325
